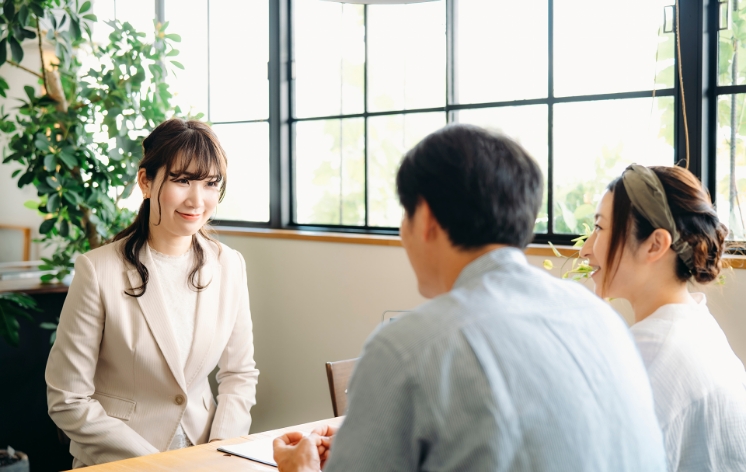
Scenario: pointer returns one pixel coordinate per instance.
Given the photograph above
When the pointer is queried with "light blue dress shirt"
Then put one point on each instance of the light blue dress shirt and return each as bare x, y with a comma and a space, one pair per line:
512, 370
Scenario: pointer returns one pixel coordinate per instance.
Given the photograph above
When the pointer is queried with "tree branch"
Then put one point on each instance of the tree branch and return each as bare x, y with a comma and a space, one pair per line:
15, 64
41, 56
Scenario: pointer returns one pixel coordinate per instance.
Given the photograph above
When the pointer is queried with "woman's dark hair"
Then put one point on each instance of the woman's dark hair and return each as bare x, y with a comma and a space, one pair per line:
695, 217
173, 146
482, 187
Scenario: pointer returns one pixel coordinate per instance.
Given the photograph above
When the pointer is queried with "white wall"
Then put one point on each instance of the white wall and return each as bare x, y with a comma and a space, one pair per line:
314, 302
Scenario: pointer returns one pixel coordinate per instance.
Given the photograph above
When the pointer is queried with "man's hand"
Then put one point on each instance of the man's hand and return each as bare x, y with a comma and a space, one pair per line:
327, 437
294, 452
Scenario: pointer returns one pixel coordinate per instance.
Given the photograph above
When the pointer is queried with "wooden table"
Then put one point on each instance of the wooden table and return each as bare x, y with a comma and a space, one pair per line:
206, 457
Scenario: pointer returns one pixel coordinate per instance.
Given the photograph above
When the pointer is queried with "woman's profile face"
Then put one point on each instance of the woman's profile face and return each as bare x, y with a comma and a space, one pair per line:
185, 205
596, 250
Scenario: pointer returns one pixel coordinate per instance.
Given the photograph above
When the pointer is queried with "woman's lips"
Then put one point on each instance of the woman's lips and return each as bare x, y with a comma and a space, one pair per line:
189, 216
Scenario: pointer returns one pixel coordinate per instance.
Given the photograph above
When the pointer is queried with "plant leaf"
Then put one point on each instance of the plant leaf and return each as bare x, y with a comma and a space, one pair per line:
3, 51
67, 156
15, 49
53, 204
47, 226
50, 162
178, 64
554, 249
53, 183
9, 10
548, 264
65, 228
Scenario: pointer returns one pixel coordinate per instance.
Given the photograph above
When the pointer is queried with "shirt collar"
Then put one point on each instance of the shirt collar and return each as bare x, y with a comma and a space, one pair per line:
488, 262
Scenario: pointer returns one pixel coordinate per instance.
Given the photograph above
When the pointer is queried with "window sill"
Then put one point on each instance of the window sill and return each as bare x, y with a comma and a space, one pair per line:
318, 236
735, 262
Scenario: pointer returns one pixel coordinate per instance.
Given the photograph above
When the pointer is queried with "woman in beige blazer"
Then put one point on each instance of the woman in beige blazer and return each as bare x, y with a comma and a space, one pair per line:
149, 316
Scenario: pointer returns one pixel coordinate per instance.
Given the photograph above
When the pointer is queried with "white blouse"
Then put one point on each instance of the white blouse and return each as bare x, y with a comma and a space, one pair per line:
181, 304
699, 387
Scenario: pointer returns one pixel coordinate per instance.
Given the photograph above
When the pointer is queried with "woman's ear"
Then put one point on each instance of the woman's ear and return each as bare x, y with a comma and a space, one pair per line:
657, 244
144, 183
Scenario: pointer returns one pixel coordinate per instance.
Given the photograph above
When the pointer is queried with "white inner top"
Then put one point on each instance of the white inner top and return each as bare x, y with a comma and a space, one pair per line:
699, 387
181, 306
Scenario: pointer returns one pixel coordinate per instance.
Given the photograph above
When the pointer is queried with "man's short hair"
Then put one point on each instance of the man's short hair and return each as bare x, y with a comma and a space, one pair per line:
482, 187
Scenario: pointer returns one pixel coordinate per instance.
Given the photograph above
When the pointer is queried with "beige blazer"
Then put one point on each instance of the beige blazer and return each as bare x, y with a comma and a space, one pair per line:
114, 385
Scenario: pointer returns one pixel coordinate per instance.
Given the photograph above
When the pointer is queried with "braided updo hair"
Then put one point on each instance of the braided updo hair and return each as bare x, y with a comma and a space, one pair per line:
696, 221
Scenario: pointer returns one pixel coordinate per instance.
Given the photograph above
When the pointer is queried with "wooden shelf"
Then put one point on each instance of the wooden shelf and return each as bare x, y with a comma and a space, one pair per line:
31, 286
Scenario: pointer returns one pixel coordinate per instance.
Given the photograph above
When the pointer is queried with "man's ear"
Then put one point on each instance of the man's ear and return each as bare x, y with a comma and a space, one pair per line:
657, 244
144, 183
430, 227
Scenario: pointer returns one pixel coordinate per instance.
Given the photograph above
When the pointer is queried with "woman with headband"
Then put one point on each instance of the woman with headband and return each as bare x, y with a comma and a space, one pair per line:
656, 229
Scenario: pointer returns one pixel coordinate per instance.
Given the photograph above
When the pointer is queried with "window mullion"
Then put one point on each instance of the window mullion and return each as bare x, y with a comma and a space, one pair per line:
689, 32
550, 117
279, 97
451, 72
710, 107
365, 119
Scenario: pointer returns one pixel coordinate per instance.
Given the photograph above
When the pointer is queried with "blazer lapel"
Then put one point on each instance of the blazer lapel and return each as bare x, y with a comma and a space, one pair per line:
208, 304
154, 310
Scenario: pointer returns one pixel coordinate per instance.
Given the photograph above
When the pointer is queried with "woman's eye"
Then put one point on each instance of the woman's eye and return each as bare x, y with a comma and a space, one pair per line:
596, 228
183, 181
213, 183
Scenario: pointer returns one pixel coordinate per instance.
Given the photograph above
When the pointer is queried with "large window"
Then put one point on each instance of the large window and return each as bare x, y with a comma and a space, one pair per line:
224, 49
317, 101
372, 81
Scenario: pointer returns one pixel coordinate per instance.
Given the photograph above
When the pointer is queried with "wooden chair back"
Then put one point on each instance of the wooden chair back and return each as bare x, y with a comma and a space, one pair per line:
339, 373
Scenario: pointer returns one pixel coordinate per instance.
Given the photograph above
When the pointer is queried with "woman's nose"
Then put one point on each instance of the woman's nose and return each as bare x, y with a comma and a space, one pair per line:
194, 198
585, 250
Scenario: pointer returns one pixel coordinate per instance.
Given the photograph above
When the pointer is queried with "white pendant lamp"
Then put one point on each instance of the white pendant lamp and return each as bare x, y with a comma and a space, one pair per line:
380, 2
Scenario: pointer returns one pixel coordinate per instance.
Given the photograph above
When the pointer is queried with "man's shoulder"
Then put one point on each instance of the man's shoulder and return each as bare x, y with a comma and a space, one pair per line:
497, 297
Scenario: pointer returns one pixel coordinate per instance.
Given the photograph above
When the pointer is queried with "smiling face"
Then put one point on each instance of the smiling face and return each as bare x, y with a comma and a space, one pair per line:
615, 281
181, 204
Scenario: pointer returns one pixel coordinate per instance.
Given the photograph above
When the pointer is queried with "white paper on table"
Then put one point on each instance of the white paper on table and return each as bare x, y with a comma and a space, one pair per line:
258, 451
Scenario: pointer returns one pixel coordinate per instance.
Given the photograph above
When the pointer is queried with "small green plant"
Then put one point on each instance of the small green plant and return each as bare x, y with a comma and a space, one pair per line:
580, 269
12, 307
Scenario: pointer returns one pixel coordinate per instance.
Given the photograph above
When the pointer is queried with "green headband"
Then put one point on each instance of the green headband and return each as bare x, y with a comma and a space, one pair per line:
648, 197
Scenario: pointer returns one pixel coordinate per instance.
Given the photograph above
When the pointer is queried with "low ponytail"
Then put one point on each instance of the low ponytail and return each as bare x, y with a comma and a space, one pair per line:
136, 236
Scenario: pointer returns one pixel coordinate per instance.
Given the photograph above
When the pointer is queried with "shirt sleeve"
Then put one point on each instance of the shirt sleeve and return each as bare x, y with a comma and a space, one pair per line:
379, 431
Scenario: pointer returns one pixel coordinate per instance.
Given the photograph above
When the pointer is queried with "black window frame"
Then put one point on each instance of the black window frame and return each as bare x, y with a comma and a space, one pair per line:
697, 32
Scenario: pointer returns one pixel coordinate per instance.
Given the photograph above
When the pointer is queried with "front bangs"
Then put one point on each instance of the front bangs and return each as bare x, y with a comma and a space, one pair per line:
199, 159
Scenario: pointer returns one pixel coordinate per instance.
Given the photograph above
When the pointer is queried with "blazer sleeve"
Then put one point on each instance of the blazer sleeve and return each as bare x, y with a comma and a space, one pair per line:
69, 375
237, 375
